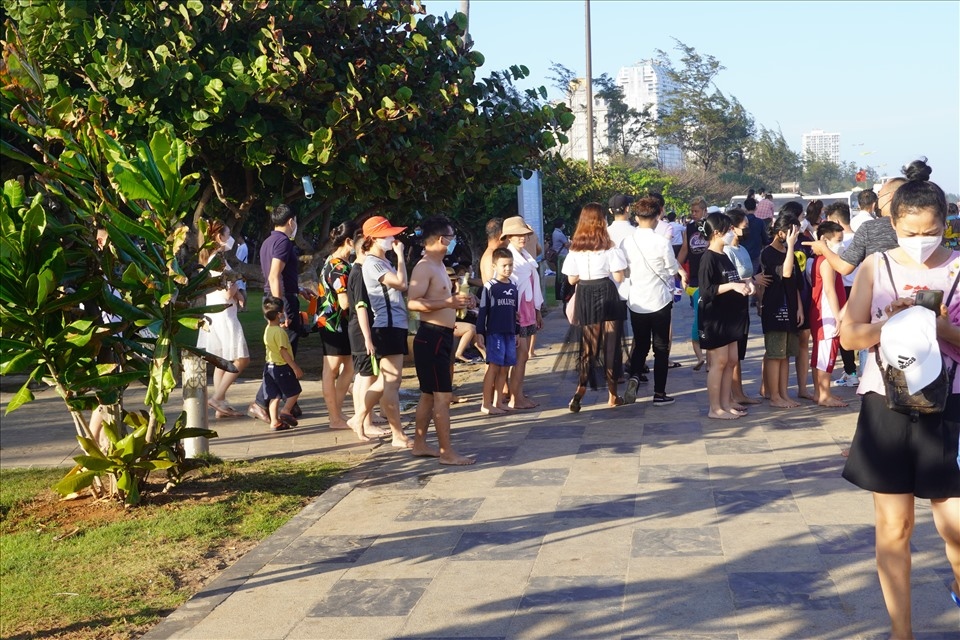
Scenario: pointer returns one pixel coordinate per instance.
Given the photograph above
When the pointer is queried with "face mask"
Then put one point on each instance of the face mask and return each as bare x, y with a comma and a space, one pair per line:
418, 232
919, 248
293, 234
834, 246
386, 243
451, 246
728, 237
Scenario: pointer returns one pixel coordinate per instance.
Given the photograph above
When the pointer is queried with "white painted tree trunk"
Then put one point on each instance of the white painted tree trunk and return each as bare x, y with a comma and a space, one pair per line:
195, 402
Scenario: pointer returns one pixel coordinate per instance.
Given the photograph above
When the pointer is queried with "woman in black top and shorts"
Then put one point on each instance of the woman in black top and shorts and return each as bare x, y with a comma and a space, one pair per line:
724, 317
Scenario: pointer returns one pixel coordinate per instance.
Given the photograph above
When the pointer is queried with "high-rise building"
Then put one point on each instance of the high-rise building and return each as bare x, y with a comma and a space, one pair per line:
817, 144
645, 84
576, 148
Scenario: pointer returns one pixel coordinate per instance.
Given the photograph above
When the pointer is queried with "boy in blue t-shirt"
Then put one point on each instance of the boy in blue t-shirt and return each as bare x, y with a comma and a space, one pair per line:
497, 331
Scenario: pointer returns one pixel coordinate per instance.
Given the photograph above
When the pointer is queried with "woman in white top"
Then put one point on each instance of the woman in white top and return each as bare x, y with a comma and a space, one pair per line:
222, 334
593, 265
653, 269
517, 233
900, 457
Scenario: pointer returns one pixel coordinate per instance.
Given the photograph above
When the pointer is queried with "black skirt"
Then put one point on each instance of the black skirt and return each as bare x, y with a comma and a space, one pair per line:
598, 301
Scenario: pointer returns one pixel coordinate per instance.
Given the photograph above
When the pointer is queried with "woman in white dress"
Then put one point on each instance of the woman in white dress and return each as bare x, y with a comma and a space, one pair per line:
221, 334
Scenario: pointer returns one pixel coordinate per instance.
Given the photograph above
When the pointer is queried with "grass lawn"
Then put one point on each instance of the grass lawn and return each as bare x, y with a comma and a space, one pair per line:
88, 569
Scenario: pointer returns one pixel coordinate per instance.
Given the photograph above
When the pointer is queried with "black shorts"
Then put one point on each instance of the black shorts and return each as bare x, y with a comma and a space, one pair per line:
279, 381
363, 365
335, 343
892, 454
431, 355
389, 341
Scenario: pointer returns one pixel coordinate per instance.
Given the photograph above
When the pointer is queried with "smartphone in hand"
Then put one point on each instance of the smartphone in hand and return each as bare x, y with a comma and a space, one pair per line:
930, 298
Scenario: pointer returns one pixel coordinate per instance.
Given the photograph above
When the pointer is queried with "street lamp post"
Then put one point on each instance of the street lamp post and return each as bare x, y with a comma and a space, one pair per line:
589, 93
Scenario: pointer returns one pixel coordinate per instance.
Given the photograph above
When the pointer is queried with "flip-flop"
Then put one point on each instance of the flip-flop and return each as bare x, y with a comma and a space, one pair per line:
954, 597
699, 365
674, 365
574, 405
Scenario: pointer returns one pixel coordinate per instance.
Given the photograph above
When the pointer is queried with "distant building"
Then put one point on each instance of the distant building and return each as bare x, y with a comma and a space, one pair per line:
576, 148
644, 84
818, 144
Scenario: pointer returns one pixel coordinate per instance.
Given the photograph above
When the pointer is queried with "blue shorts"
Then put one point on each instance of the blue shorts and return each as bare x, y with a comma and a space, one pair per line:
279, 381
501, 349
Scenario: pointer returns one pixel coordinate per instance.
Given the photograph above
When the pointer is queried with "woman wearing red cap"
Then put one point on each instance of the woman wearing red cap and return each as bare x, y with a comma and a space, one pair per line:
385, 287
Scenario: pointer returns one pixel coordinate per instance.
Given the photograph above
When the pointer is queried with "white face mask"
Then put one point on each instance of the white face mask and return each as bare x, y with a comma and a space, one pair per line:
728, 237
919, 248
386, 243
834, 246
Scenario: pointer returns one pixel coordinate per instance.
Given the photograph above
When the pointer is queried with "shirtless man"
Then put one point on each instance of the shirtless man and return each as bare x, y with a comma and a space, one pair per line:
429, 293
494, 229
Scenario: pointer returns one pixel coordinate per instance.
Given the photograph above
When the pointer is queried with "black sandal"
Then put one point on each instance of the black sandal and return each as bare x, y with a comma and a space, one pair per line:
574, 405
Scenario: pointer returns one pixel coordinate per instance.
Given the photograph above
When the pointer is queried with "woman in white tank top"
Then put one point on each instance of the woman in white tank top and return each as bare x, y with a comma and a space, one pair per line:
899, 457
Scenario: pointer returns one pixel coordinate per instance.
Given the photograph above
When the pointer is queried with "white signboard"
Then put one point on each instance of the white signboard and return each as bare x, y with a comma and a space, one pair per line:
530, 204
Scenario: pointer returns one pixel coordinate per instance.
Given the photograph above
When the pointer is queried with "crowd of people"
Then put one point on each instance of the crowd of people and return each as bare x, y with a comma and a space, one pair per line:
824, 285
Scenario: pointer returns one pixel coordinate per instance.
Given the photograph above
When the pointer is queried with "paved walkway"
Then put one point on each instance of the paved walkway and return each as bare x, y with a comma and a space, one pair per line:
636, 522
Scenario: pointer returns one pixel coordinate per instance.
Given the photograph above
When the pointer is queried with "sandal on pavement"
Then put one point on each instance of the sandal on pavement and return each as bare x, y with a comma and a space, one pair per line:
674, 365
699, 365
574, 405
288, 419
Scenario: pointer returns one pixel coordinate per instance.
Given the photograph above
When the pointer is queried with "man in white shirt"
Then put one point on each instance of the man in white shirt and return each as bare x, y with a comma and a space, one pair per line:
867, 200
653, 267
620, 228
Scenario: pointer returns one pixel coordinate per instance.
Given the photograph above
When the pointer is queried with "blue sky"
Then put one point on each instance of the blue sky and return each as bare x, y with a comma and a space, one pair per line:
886, 76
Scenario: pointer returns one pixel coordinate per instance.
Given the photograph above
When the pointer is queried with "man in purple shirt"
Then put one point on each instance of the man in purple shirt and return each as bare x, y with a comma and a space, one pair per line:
278, 261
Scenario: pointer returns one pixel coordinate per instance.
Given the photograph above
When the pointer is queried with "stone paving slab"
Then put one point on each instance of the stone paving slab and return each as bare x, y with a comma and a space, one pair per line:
635, 522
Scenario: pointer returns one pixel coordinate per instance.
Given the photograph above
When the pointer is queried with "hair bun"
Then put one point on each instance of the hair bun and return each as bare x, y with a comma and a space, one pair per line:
918, 170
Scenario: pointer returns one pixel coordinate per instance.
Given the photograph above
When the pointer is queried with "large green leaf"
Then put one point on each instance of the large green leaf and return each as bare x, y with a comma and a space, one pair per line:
23, 396
74, 481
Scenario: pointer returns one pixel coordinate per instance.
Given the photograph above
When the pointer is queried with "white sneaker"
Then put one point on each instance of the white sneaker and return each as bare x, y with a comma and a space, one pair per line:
847, 381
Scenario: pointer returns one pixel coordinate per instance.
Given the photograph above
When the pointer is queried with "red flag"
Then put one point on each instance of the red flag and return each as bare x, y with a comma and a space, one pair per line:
861, 176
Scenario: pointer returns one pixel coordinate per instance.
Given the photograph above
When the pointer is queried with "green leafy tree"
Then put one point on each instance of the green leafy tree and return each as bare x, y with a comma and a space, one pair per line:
772, 161
55, 284
378, 102
709, 127
629, 131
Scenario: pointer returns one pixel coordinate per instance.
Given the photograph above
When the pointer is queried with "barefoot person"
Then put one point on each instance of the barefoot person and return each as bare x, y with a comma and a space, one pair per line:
385, 286
724, 307
525, 271
825, 315
429, 294
361, 343
740, 257
497, 331
779, 309
333, 306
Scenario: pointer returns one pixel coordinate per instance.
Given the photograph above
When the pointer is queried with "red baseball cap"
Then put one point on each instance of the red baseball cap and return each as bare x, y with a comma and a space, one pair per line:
380, 227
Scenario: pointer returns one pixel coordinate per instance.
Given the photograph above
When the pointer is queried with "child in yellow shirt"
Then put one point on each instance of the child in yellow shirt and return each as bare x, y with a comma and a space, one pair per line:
281, 375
